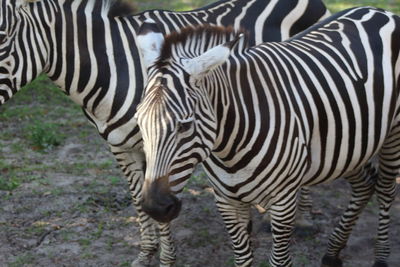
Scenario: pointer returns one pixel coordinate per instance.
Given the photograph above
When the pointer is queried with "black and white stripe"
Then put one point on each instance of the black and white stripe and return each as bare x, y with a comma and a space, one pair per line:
269, 119
88, 48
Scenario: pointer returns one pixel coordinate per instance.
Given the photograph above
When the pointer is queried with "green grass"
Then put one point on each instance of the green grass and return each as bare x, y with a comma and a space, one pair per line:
337, 5
9, 183
22, 260
43, 135
181, 5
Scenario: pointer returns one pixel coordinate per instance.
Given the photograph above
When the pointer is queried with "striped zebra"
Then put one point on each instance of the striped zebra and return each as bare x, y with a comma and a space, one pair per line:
88, 48
271, 118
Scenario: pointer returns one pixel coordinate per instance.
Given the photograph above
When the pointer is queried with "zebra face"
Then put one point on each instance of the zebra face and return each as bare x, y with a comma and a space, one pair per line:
9, 18
176, 137
176, 117
9, 21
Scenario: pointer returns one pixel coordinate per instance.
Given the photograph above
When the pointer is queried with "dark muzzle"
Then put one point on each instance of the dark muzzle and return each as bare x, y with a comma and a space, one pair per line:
158, 201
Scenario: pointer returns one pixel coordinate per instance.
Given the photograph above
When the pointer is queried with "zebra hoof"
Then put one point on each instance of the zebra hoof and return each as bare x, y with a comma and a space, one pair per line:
139, 263
329, 261
380, 264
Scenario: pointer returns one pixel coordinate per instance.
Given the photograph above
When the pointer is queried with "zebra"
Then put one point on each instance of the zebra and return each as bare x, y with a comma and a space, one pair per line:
265, 120
88, 48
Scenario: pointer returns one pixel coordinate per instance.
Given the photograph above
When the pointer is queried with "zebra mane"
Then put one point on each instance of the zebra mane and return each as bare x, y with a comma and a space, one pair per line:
115, 8
180, 44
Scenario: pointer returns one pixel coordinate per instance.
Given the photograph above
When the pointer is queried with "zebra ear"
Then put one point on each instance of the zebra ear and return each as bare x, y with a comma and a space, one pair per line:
206, 62
150, 40
216, 56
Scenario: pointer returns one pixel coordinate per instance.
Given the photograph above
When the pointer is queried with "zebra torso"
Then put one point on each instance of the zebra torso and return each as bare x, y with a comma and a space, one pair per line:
331, 97
301, 112
93, 56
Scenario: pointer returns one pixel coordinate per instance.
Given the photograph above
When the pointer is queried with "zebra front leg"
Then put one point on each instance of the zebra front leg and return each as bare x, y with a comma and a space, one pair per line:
283, 214
237, 221
168, 252
303, 217
362, 184
132, 165
148, 237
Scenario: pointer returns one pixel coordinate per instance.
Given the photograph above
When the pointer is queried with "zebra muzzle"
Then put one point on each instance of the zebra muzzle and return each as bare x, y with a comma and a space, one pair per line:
158, 201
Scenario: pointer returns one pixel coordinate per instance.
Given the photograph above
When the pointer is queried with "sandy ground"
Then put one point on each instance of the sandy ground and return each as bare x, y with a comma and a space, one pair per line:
72, 208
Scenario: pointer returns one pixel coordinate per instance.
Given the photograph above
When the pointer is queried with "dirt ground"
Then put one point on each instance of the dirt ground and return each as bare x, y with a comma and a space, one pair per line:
69, 206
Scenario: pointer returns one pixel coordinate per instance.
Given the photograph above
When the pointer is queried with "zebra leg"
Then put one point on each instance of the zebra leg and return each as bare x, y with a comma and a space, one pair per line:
362, 184
168, 253
283, 214
304, 219
389, 165
132, 165
237, 222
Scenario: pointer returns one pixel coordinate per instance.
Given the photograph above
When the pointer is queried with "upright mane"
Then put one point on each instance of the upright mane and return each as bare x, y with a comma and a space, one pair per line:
205, 37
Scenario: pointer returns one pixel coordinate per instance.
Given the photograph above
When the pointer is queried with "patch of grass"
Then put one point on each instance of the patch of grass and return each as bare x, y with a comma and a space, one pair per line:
36, 229
17, 147
264, 264
99, 232
43, 135
338, 5
230, 262
21, 260
198, 180
171, 5
115, 180
125, 264
84, 242
9, 183
66, 234
88, 255
302, 260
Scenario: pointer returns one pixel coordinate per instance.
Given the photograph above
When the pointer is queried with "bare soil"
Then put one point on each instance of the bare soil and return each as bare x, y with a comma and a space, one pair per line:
72, 208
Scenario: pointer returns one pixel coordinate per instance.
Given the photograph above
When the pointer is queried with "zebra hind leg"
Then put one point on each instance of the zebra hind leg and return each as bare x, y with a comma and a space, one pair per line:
362, 184
389, 165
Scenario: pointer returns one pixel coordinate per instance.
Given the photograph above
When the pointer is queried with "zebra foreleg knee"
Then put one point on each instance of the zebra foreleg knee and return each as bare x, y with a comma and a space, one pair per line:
331, 261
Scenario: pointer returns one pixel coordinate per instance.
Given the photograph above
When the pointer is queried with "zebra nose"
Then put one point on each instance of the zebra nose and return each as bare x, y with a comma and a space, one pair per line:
158, 202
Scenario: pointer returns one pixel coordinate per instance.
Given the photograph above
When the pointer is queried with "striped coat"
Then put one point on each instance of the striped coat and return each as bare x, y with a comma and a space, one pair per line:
271, 118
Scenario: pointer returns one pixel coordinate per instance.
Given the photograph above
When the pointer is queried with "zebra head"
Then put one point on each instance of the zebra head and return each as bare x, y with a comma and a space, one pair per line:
11, 17
176, 116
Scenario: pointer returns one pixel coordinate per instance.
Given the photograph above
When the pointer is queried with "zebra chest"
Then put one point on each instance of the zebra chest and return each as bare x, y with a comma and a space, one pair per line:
262, 179
123, 134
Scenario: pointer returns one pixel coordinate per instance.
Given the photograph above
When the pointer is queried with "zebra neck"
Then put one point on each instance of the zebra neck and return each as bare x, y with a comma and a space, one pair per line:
93, 58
